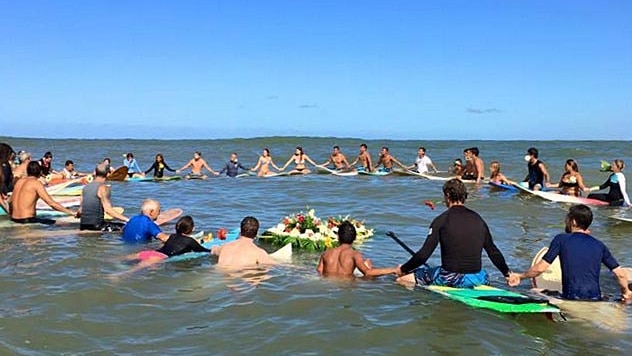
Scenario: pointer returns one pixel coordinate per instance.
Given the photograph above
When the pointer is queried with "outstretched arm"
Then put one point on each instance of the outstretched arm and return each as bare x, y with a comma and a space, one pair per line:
364, 267
43, 194
622, 279
257, 165
189, 164
309, 160
535, 270
287, 163
545, 173
153, 166
104, 193
398, 162
205, 165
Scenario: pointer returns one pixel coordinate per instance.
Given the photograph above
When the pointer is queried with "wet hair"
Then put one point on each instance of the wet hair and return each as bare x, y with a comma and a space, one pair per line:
385, 148
346, 233
267, 150
300, 149
129, 155
619, 163
533, 152
185, 225
336, 147
5, 152
364, 145
198, 153
581, 214
455, 191
162, 158
474, 151
107, 159
48, 154
494, 166
573, 164
249, 227
33, 169
459, 161
69, 162
101, 170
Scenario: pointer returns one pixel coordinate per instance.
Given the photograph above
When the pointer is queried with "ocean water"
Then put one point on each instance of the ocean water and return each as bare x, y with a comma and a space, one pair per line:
58, 294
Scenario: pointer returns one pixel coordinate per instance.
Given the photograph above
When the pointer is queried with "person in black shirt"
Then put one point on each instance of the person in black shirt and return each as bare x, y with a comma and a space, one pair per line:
232, 167
159, 167
463, 235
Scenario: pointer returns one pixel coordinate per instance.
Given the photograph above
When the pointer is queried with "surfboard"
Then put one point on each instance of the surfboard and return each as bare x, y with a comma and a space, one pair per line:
167, 179
284, 254
168, 215
140, 179
66, 218
280, 174
119, 175
70, 191
66, 202
620, 218
503, 186
52, 189
560, 198
379, 172
435, 177
605, 314
230, 236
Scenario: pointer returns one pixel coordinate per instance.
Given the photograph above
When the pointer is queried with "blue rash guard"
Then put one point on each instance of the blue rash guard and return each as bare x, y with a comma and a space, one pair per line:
581, 256
132, 166
140, 228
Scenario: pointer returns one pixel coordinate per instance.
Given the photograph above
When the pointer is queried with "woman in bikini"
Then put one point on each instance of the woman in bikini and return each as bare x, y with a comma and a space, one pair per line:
299, 158
264, 163
495, 175
571, 182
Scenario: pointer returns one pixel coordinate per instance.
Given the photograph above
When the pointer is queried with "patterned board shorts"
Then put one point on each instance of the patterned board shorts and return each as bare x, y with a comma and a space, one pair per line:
438, 276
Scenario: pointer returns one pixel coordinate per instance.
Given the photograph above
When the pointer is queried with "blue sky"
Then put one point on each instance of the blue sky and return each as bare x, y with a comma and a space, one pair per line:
370, 69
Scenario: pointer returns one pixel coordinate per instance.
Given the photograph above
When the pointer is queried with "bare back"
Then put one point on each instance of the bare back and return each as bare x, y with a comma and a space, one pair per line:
242, 253
24, 199
340, 261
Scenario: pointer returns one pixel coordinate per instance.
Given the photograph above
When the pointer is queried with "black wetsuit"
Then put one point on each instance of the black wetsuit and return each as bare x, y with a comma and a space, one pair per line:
45, 167
180, 244
159, 169
535, 175
232, 168
7, 178
463, 235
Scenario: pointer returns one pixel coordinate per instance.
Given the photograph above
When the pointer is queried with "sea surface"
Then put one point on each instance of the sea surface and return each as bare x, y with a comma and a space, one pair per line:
59, 293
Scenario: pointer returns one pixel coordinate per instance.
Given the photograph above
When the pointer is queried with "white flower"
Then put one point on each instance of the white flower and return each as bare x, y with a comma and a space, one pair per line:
295, 233
318, 236
311, 213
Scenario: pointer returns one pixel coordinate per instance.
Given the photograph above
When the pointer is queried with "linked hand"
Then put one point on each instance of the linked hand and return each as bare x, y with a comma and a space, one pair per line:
513, 280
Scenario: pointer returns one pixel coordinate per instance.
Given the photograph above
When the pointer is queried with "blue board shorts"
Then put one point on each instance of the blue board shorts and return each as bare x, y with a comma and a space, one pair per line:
425, 276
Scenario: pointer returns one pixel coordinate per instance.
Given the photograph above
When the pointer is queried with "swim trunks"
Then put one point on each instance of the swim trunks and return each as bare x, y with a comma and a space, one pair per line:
34, 220
438, 276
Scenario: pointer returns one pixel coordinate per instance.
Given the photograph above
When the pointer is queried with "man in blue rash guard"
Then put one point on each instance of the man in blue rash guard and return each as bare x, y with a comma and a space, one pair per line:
232, 167
142, 228
581, 256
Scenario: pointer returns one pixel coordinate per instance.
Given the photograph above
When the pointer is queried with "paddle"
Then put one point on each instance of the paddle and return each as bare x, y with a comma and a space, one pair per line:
522, 299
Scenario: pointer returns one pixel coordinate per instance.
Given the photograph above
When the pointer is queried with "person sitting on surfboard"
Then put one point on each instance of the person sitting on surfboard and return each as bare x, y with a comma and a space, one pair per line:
494, 174
233, 166
108, 164
95, 202
46, 163
474, 166
243, 252
423, 162
457, 168
132, 166
338, 159
463, 235
364, 158
142, 227
571, 182
197, 163
343, 260
25, 195
387, 160
159, 166
617, 194
299, 158
537, 177
264, 163
581, 256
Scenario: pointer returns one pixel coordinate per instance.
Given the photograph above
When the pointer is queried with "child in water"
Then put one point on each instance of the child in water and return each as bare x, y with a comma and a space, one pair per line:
495, 175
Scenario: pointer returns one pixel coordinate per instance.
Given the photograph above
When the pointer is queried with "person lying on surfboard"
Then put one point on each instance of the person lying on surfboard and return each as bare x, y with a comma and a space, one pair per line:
581, 256
142, 227
298, 158
387, 160
422, 163
27, 192
364, 158
95, 201
233, 166
177, 244
263, 164
243, 252
343, 260
197, 163
463, 235
338, 159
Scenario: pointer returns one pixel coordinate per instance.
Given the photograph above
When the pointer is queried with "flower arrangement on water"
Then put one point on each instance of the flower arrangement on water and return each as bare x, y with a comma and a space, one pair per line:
308, 232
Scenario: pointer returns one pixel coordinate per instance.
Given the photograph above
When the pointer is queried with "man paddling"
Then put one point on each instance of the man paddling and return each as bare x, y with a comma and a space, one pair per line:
338, 159
463, 235
196, 164
25, 195
95, 201
581, 256
343, 260
243, 252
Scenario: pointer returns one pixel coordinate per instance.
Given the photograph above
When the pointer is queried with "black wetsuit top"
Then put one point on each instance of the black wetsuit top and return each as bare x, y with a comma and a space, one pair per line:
45, 167
232, 168
535, 176
180, 244
159, 169
7, 178
469, 172
463, 235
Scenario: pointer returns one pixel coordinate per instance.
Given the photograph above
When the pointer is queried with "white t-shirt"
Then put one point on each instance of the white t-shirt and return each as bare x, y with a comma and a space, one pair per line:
422, 164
